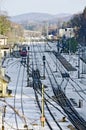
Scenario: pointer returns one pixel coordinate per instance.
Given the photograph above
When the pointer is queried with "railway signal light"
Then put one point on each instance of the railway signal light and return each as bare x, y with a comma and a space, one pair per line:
44, 66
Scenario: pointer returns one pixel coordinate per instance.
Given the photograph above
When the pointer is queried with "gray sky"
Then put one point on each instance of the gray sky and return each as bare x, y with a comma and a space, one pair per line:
16, 7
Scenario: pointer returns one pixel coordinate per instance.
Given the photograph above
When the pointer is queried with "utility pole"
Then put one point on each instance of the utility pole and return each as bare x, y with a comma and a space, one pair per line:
43, 116
70, 45
47, 29
28, 68
46, 35
78, 61
2, 124
4, 111
56, 55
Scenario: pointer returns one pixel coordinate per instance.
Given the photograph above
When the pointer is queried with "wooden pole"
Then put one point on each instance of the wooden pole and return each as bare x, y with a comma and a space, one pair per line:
42, 117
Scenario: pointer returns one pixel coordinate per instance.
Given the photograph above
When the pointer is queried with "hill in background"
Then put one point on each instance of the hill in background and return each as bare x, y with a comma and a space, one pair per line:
34, 21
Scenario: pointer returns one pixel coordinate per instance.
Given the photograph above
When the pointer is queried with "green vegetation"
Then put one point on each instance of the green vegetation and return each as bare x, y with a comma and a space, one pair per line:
69, 45
4, 25
13, 31
79, 23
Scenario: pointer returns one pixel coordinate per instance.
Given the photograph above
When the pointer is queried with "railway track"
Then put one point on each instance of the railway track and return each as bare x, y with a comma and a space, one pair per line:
74, 84
15, 114
60, 98
75, 118
37, 86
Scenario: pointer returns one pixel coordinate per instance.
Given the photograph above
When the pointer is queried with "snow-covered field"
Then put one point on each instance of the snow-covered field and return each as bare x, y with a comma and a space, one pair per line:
27, 111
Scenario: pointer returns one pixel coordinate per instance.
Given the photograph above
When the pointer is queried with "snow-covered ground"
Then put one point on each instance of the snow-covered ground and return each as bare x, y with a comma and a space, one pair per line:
76, 93
32, 114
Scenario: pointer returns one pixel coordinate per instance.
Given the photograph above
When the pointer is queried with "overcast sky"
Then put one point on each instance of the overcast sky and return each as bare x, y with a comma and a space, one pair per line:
16, 7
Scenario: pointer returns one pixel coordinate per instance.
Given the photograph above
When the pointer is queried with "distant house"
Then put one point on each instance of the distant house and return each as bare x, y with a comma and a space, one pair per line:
32, 35
3, 40
29, 33
50, 36
4, 91
68, 32
4, 79
4, 48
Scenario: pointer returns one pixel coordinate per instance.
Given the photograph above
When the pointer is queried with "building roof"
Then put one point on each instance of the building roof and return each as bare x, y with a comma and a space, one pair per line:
4, 46
4, 79
3, 37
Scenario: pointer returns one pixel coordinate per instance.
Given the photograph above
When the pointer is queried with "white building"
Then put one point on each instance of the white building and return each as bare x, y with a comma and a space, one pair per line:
68, 32
4, 48
3, 40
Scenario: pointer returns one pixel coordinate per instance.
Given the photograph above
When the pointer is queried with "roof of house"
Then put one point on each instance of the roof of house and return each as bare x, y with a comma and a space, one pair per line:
4, 79
3, 37
4, 46
7, 77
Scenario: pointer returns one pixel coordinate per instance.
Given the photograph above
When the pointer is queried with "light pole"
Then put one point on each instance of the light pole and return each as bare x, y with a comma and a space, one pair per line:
78, 61
43, 116
58, 45
69, 44
57, 52
3, 116
45, 44
28, 68
56, 55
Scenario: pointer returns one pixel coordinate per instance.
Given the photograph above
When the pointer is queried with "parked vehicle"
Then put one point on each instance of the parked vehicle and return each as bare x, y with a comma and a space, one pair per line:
23, 52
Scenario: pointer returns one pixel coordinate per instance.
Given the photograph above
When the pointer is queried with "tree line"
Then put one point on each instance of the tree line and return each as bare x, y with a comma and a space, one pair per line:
79, 23
13, 31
